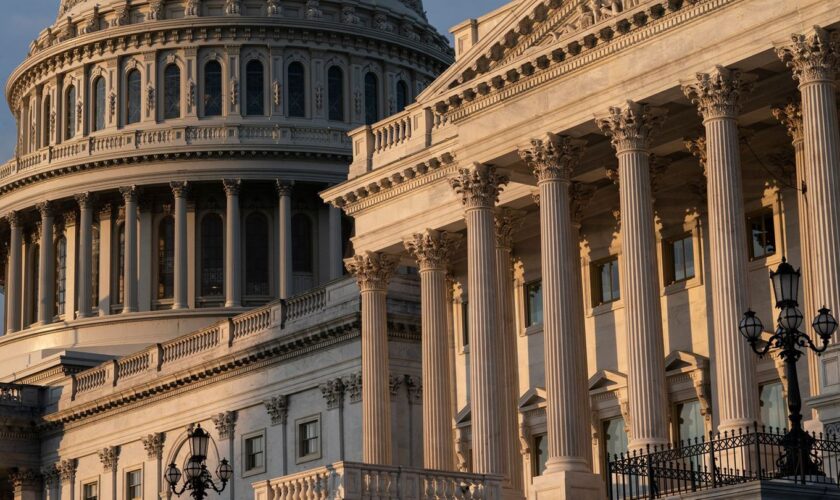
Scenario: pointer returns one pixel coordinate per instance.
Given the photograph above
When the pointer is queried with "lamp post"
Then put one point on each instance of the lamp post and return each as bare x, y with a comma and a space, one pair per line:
797, 458
197, 478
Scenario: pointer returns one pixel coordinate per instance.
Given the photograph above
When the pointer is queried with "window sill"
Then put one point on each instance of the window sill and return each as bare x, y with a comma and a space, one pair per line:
308, 458
533, 329
681, 286
763, 262
253, 472
606, 308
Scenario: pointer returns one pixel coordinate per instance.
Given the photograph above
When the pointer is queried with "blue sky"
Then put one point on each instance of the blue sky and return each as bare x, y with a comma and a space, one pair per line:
21, 23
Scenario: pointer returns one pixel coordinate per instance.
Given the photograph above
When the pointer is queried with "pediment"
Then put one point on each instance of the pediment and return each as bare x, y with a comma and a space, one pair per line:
534, 398
464, 416
685, 361
607, 380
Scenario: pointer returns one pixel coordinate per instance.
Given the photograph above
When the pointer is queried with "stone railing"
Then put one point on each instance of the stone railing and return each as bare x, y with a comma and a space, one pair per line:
251, 322
194, 343
132, 365
391, 132
356, 481
306, 304
10, 394
90, 379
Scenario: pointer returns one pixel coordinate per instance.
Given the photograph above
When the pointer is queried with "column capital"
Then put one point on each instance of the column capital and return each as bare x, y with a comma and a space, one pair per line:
812, 57
179, 188
153, 443
581, 194
631, 126
431, 248
553, 158
225, 423
284, 188
13, 218
68, 218
333, 393
697, 148
129, 193
372, 269
45, 208
85, 200
22, 478
506, 223
790, 115
109, 457
67, 470
232, 186
479, 185
278, 409
718, 94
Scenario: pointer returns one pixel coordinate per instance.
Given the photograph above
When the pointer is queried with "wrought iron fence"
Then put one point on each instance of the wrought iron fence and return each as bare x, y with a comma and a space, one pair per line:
731, 458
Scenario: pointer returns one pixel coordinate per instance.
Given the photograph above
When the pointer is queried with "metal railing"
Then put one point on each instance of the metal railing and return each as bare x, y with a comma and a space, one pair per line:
731, 458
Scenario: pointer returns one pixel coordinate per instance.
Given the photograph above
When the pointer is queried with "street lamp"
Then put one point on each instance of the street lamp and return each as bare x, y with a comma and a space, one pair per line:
196, 476
797, 458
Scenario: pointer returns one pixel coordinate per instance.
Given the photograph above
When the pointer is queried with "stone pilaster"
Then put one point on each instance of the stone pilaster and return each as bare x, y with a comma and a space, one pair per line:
284, 200
432, 250
46, 265
179, 192
814, 59
630, 128
478, 187
717, 96
373, 272
233, 264
129, 194
13, 287
85, 273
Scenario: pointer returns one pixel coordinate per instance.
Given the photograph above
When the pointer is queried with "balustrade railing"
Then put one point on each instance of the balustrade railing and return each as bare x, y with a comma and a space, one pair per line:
132, 365
10, 393
251, 322
392, 132
191, 344
306, 304
91, 379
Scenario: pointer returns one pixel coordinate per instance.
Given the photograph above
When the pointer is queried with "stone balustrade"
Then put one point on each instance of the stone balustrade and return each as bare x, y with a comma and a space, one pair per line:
393, 138
356, 481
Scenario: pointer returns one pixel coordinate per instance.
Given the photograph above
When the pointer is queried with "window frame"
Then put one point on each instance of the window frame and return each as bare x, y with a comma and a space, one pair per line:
315, 455
69, 128
98, 105
304, 88
536, 439
127, 485
784, 410
59, 275
128, 96
595, 269
668, 250
84, 486
764, 213
158, 254
341, 100
374, 100
261, 434
529, 322
203, 94
202, 299
262, 90
164, 104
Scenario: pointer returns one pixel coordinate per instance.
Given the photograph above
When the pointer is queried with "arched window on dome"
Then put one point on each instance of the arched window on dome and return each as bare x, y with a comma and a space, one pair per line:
98, 103
254, 88
335, 93
60, 283
212, 88
297, 90
402, 95
256, 255
133, 93
371, 98
45, 121
212, 256
70, 112
172, 92
166, 258
34, 258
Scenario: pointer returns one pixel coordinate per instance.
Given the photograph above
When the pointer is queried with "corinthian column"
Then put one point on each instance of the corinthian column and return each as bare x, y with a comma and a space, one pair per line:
717, 95
630, 129
85, 252
431, 249
233, 264
814, 60
46, 264
129, 194
373, 271
13, 293
479, 187
179, 192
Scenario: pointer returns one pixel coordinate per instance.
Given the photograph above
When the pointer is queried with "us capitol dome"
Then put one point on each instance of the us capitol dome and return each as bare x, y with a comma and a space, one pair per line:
169, 156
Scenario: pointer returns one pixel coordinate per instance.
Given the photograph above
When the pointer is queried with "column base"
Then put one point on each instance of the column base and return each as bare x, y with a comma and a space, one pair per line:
568, 485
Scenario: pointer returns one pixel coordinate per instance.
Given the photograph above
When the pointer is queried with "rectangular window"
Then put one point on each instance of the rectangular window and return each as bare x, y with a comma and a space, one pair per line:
539, 452
773, 406
134, 484
762, 234
254, 453
679, 259
90, 491
689, 421
606, 285
465, 330
309, 439
533, 303
615, 437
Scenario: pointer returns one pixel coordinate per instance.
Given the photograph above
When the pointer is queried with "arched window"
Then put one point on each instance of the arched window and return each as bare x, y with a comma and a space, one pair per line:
166, 258
402, 95
212, 89
132, 102
302, 244
172, 92
34, 255
256, 254
335, 93
371, 98
254, 88
212, 256
297, 90
70, 113
94, 267
60, 275
45, 120
98, 104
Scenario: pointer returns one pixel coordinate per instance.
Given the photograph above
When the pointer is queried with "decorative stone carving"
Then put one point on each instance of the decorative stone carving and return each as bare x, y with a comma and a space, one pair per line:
554, 157
278, 409
180, 189
381, 22
718, 93
155, 10
190, 94
790, 115
333, 392
232, 8
478, 186
92, 24
52, 123
507, 220
45, 208
631, 126
234, 92
372, 270
462, 449
153, 444
276, 93
357, 100
232, 186
50, 476
67, 470
225, 423
112, 104
319, 97
109, 457
431, 248
414, 385
525, 437
123, 14
812, 57
581, 194
283, 188
348, 15
192, 8
353, 387
129, 193
273, 8
150, 98
24, 478
394, 383
313, 9
697, 148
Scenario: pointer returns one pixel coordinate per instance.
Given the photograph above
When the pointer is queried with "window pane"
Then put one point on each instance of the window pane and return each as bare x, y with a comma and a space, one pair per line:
540, 454
45, 120
616, 290
769, 234
335, 93
254, 88
172, 92
212, 256
679, 262
254, 453
615, 437
688, 246
166, 259
308, 433
533, 296
773, 406
60, 275
465, 324
690, 421
402, 95
212, 89
371, 98
70, 113
256, 255
297, 90
99, 104
133, 101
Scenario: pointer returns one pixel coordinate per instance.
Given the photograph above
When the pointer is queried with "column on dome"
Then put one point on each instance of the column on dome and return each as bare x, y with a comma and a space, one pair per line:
129, 194
373, 272
432, 250
13, 287
85, 261
233, 230
717, 96
46, 264
284, 201
479, 186
179, 192
814, 59
630, 129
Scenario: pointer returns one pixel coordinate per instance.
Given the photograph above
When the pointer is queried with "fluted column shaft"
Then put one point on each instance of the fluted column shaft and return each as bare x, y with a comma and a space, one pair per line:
46, 264
631, 128
432, 252
717, 96
284, 200
85, 253
179, 192
373, 272
479, 188
130, 263
13, 292
233, 265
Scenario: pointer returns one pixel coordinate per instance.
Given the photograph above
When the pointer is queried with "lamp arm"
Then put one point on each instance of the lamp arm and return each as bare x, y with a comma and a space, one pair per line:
814, 347
175, 489
212, 484
764, 350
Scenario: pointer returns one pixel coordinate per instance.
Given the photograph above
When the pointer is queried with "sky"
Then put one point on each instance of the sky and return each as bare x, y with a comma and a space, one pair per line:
22, 23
